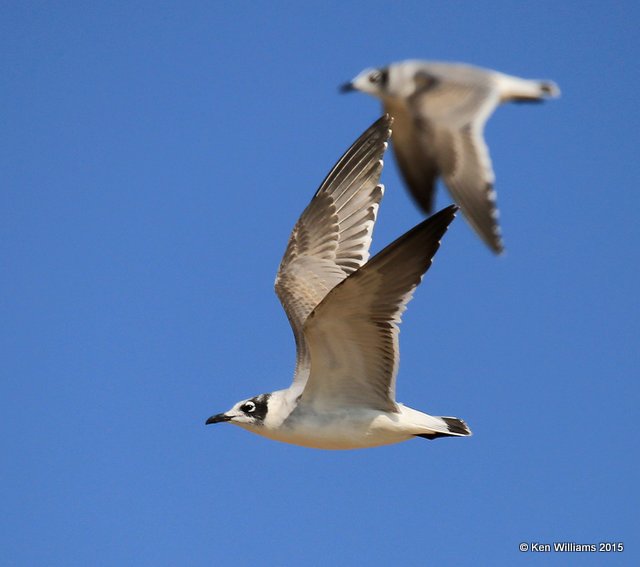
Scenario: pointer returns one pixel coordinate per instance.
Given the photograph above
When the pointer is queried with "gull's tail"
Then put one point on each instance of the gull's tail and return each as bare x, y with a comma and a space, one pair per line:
446, 427
514, 89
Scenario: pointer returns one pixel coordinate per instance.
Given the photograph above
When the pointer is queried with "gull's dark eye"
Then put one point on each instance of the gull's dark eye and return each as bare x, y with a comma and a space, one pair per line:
249, 407
375, 77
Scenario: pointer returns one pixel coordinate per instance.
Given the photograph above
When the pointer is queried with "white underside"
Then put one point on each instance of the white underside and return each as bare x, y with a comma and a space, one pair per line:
355, 428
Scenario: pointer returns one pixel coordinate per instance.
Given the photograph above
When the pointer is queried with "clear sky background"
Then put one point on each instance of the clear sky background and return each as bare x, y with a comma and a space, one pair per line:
154, 158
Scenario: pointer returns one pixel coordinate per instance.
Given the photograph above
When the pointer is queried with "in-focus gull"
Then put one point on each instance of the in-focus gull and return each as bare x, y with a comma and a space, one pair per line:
439, 112
345, 312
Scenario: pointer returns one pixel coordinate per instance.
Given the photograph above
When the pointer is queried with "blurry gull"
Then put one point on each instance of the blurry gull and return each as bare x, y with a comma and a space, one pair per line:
439, 112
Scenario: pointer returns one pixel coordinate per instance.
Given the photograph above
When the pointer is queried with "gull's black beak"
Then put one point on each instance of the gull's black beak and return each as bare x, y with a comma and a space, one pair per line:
217, 419
347, 87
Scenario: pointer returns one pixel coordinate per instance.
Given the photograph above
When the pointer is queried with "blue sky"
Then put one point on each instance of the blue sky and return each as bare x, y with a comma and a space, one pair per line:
154, 159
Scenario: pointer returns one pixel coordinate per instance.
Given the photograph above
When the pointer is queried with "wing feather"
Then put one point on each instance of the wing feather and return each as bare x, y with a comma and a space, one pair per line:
332, 236
353, 333
449, 120
468, 175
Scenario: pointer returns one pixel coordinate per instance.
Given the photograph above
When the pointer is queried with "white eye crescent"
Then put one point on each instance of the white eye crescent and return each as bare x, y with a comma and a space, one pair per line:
249, 407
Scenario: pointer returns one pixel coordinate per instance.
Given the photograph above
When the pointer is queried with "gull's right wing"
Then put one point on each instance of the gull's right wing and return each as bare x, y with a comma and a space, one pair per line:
353, 334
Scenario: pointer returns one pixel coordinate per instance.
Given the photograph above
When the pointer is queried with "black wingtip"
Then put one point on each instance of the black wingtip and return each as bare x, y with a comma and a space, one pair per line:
453, 208
444, 216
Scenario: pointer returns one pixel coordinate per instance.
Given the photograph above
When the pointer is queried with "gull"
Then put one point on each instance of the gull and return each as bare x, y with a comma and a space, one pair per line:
345, 312
440, 110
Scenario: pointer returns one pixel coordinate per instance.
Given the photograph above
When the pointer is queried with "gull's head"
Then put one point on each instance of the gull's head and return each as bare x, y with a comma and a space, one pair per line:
247, 413
399, 80
371, 81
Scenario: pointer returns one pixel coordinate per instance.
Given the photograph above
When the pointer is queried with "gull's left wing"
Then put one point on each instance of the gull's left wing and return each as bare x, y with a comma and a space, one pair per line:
332, 236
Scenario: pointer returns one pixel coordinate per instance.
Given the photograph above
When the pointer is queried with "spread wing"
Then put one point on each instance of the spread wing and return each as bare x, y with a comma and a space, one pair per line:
332, 236
353, 334
449, 119
468, 175
417, 163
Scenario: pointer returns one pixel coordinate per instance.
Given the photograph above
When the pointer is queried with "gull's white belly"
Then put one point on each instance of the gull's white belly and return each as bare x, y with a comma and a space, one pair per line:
344, 429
